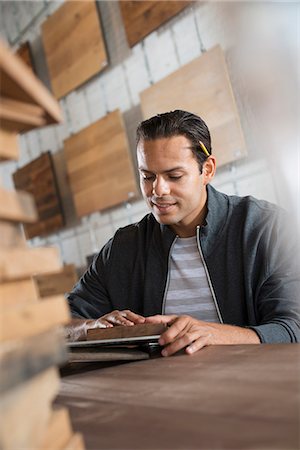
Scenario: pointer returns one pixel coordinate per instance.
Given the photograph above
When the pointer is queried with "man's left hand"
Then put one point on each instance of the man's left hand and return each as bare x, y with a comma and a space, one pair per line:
193, 334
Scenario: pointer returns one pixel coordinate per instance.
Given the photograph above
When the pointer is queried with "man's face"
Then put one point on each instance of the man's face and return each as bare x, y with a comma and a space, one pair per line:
171, 183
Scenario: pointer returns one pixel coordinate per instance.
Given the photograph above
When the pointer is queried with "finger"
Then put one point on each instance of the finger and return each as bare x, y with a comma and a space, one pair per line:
119, 320
133, 317
197, 345
179, 344
103, 324
167, 319
176, 330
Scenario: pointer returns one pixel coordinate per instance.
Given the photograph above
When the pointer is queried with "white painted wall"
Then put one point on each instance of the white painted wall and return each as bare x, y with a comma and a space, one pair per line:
199, 27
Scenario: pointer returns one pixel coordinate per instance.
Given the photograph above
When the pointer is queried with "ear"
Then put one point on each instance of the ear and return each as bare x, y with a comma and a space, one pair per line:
209, 169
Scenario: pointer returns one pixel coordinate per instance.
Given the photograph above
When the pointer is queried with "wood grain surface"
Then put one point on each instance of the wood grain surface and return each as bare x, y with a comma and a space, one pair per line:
15, 293
59, 431
105, 354
22, 359
99, 165
24, 52
29, 406
56, 283
74, 46
20, 263
229, 397
19, 84
38, 178
202, 87
11, 235
17, 206
9, 145
31, 319
144, 329
140, 18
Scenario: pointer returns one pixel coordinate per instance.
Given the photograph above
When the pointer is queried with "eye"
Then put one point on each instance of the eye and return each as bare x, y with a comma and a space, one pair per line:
175, 177
148, 177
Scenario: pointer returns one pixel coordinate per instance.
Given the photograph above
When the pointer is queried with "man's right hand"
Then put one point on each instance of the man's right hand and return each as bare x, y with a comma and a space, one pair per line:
76, 330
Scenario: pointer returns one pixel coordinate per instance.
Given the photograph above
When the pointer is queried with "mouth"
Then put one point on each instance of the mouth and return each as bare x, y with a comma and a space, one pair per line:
163, 207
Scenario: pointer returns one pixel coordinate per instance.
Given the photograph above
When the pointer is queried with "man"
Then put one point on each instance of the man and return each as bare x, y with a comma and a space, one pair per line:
216, 268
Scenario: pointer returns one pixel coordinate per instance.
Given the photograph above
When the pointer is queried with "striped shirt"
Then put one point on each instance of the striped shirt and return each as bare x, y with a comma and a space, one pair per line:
188, 291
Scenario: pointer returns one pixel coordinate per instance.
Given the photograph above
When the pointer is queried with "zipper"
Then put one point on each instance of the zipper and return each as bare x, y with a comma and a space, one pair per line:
208, 277
168, 276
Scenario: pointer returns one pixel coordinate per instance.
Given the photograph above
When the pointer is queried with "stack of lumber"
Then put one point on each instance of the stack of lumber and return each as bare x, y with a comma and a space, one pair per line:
55, 283
31, 337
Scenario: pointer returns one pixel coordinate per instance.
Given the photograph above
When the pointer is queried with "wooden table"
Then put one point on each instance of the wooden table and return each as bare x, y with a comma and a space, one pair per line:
224, 397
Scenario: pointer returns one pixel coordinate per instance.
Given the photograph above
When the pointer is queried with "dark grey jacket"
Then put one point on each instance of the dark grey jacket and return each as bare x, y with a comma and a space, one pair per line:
251, 261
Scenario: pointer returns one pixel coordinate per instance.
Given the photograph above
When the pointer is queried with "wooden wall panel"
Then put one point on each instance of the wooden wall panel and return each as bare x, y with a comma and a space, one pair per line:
74, 45
38, 178
142, 17
202, 87
99, 165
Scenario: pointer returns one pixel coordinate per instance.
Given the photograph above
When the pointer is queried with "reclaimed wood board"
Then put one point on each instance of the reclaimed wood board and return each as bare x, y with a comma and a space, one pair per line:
23, 359
11, 235
147, 329
105, 354
99, 165
29, 406
17, 206
33, 318
202, 87
56, 283
140, 18
19, 263
15, 293
9, 145
19, 84
24, 52
59, 431
75, 443
74, 45
39, 179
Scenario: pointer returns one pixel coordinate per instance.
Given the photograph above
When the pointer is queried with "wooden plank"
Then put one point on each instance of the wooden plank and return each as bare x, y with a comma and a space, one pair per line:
99, 165
11, 235
17, 293
147, 329
75, 443
24, 52
17, 206
105, 354
59, 431
19, 83
19, 263
25, 411
212, 99
17, 116
74, 45
33, 318
140, 18
61, 282
9, 145
23, 359
39, 179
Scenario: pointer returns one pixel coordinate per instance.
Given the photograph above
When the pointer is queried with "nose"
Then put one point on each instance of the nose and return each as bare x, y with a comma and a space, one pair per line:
160, 187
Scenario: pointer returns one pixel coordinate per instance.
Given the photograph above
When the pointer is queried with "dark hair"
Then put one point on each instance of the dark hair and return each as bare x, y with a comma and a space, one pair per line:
177, 123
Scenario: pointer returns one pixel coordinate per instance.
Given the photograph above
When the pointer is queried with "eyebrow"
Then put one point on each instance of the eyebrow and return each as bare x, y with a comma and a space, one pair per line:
165, 171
